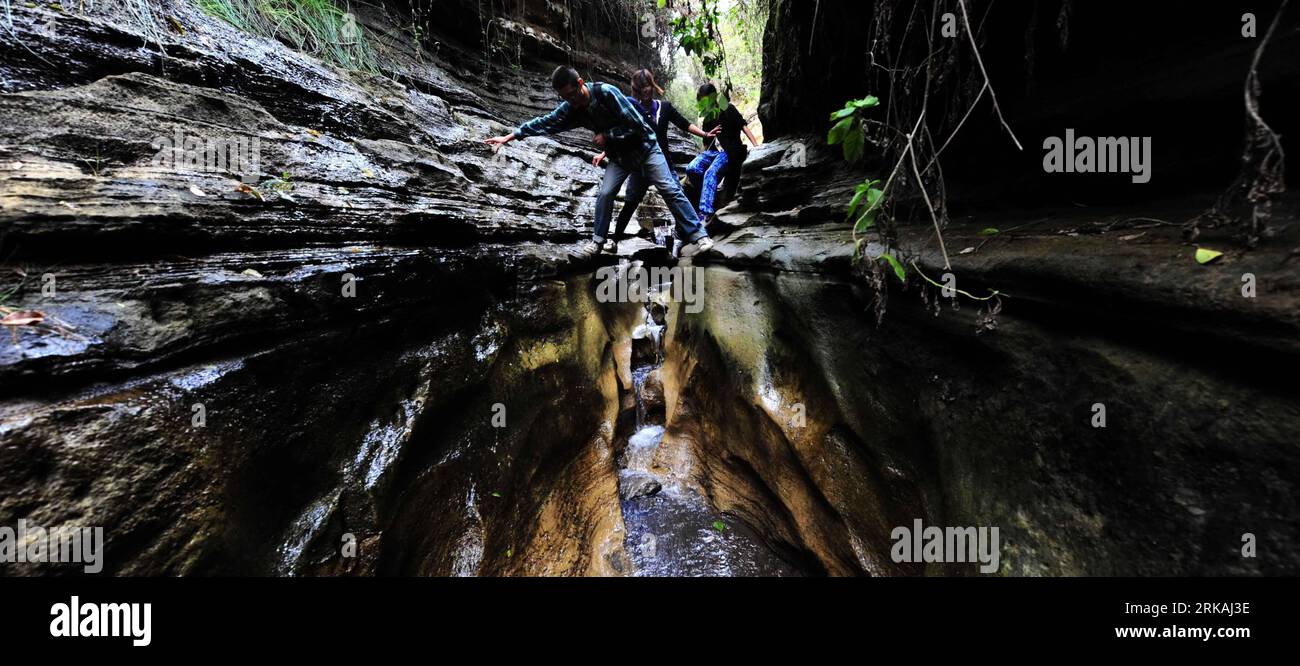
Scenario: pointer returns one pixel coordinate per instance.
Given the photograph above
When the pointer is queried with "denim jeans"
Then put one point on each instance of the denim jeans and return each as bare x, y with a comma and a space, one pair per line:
652, 170
707, 167
632, 198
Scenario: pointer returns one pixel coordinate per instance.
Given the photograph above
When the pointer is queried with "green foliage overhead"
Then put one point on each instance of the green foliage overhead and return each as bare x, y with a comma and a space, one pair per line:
697, 33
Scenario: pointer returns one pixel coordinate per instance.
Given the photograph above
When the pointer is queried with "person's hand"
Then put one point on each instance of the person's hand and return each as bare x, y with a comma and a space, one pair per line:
713, 132
599, 140
595, 161
498, 141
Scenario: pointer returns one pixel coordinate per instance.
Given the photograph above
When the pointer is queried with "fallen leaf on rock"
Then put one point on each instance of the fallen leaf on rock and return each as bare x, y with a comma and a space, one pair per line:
194, 189
1133, 236
250, 272
967, 250
313, 132
23, 318
248, 189
1205, 256
367, 173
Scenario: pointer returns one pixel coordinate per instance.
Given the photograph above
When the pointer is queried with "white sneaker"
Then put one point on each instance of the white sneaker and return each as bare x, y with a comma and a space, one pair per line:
611, 246
588, 250
703, 245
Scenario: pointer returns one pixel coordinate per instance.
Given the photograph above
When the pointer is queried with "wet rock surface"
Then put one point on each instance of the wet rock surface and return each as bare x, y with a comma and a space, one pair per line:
827, 429
248, 370
245, 382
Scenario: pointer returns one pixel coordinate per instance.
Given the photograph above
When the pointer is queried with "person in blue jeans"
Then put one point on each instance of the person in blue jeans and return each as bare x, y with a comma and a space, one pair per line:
630, 143
707, 169
660, 114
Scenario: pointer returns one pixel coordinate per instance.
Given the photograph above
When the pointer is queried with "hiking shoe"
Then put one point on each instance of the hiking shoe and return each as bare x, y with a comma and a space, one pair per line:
703, 245
588, 250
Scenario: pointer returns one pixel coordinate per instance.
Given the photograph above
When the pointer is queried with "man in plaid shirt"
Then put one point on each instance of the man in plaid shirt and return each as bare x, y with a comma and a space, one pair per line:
630, 144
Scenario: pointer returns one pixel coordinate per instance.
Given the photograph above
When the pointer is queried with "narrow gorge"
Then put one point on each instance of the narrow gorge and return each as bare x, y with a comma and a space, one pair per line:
388, 362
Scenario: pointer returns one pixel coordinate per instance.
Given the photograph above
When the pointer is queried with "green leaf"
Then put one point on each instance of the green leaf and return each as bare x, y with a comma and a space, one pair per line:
496, 494
719, 526
843, 113
854, 142
898, 268
837, 132
865, 103
873, 194
873, 197
989, 231
858, 192
1205, 256
865, 222
853, 203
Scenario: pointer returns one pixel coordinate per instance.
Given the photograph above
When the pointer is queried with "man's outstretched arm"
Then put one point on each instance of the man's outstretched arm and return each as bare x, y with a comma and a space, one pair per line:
552, 123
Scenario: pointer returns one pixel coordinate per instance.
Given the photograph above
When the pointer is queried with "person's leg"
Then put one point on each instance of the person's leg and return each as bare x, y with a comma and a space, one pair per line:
632, 198
709, 189
733, 174
656, 172
695, 170
609, 185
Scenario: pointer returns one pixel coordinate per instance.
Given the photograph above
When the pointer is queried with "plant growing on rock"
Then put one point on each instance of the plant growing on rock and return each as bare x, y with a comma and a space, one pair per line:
909, 71
316, 27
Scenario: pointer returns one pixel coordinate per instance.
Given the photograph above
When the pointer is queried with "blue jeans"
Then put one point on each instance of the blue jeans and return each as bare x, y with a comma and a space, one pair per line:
708, 167
632, 198
652, 170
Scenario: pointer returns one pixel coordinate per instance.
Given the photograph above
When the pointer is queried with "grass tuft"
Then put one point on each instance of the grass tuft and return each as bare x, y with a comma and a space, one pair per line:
318, 28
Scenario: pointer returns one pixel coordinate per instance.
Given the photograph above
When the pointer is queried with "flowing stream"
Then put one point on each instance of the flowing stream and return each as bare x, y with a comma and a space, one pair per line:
671, 529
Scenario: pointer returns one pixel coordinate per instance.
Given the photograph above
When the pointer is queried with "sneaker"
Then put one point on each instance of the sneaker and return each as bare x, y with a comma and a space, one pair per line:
677, 248
703, 245
588, 250
611, 246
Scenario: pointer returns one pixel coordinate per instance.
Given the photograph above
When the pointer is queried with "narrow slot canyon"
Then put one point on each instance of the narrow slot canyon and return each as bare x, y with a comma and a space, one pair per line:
388, 362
